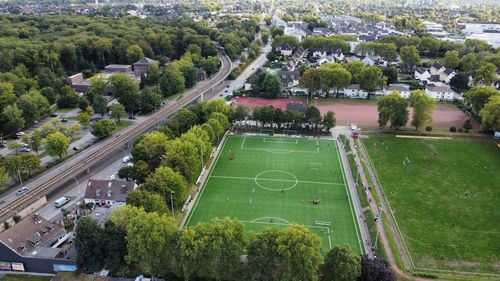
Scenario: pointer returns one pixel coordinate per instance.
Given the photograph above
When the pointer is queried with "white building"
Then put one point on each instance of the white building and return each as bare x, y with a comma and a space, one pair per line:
422, 74
436, 69
442, 93
353, 91
298, 33
403, 89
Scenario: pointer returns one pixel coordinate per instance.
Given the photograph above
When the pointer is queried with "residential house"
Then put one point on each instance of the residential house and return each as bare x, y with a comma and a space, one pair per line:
354, 91
408, 67
403, 89
442, 93
370, 60
299, 33
422, 74
339, 56
434, 80
437, 68
141, 65
35, 237
319, 53
446, 75
289, 79
353, 45
105, 192
286, 50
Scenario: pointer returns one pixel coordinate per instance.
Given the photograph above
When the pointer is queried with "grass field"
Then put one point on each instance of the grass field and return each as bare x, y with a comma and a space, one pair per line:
270, 183
446, 202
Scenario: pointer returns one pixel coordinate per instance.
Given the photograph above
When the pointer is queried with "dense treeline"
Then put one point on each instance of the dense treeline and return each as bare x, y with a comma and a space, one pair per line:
38, 53
137, 242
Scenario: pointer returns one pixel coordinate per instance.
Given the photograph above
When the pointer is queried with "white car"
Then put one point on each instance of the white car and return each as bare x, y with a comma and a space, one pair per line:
22, 190
126, 159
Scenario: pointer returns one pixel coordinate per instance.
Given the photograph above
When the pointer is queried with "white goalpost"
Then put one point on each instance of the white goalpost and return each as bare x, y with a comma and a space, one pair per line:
267, 132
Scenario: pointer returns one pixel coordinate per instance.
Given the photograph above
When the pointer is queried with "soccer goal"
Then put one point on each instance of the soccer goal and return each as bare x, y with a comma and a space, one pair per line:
325, 223
406, 162
267, 132
314, 166
290, 132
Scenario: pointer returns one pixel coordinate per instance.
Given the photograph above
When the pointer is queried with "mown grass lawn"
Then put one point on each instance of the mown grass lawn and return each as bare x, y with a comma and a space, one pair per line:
446, 201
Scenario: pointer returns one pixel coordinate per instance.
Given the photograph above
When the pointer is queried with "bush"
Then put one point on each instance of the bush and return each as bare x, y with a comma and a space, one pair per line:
6, 225
81, 205
467, 125
453, 129
460, 130
64, 212
17, 218
428, 128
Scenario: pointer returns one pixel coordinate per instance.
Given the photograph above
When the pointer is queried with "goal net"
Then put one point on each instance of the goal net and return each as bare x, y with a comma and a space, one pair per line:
267, 132
290, 132
315, 166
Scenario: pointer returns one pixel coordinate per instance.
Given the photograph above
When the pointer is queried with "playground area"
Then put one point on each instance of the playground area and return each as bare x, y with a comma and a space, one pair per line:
443, 195
270, 181
366, 114
276, 103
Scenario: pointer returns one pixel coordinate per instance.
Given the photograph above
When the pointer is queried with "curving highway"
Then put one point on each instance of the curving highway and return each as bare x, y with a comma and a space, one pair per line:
67, 170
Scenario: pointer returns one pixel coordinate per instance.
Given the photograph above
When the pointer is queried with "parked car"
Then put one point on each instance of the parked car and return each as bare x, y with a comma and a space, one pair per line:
2, 145
64, 120
53, 115
61, 201
24, 149
19, 135
75, 148
22, 190
127, 159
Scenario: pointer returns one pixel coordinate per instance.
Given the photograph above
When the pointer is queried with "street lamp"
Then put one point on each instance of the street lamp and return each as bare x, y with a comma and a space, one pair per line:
172, 202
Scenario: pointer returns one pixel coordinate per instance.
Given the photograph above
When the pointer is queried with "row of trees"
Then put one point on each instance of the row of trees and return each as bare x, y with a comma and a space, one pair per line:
168, 160
334, 75
139, 242
272, 117
394, 109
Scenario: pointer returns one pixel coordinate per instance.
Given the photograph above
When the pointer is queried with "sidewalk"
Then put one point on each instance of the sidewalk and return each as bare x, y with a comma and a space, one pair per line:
358, 209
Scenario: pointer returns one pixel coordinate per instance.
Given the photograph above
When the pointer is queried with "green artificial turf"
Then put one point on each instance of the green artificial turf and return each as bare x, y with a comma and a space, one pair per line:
445, 202
268, 165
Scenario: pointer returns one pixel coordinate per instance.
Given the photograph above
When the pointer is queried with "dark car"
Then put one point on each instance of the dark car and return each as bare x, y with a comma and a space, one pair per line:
53, 115
64, 120
75, 148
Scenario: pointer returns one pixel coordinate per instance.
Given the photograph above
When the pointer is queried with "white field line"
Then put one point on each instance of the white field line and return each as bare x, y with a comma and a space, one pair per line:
355, 221
283, 141
243, 143
280, 180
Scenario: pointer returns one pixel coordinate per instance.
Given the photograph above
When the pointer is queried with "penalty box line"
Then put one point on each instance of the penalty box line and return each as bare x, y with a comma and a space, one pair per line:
266, 179
282, 150
287, 224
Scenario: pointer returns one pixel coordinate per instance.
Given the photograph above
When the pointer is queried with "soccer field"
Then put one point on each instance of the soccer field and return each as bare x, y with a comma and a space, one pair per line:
274, 182
446, 202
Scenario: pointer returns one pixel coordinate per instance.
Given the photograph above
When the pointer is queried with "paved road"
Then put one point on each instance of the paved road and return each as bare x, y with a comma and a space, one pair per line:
76, 194
358, 208
249, 71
